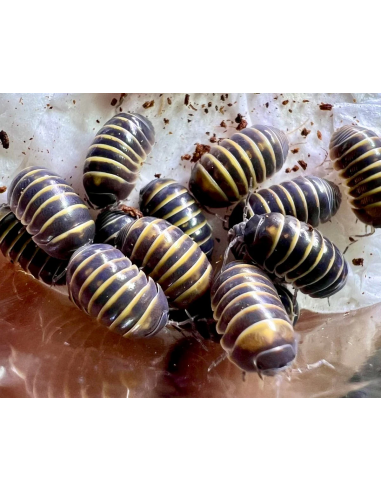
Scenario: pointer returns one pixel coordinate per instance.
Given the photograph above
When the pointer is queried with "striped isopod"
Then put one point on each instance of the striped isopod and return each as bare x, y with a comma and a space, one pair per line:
356, 154
257, 332
169, 200
310, 199
294, 251
17, 245
109, 223
114, 158
169, 256
223, 175
54, 214
106, 285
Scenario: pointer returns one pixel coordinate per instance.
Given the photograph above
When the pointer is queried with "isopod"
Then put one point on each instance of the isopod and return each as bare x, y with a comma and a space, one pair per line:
107, 286
169, 256
257, 332
223, 175
114, 158
54, 214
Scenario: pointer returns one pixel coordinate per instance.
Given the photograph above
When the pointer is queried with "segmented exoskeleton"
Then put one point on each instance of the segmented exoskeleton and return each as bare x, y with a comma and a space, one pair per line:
114, 158
294, 251
257, 332
169, 256
310, 199
223, 175
169, 200
106, 285
17, 245
54, 214
356, 153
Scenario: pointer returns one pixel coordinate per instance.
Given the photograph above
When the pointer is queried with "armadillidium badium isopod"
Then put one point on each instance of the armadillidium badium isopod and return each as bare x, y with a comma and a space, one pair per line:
169, 200
114, 158
54, 214
107, 286
294, 251
169, 256
257, 332
356, 153
17, 245
223, 175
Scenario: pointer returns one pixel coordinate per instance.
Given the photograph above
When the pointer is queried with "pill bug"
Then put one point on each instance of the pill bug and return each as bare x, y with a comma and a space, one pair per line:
257, 332
54, 214
290, 303
294, 251
355, 152
169, 200
17, 245
169, 256
108, 225
114, 158
106, 285
223, 175
310, 199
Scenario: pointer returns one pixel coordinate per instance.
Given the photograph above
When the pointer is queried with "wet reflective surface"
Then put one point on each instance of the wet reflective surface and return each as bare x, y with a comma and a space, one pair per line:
48, 348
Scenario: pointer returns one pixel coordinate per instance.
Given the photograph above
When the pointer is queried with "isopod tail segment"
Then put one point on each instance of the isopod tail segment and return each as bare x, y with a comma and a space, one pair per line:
222, 175
114, 159
257, 333
105, 284
112, 220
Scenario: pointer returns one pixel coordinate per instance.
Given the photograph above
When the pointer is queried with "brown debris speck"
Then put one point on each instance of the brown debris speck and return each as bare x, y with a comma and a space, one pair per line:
73, 101
134, 212
303, 165
209, 104
305, 132
222, 98
206, 110
319, 135
213, 139
267, 105
169, 100
223, 124
157, 175
192, 107
186, 157
242, 123
290, 110
295, 151
358, 261
166, 121
148, 104
3, 189
288, 170
295, 168
285, 102
230, 104
97, 121
325, 107
306, 101
186, 99
4, 139
114, 101
199, 152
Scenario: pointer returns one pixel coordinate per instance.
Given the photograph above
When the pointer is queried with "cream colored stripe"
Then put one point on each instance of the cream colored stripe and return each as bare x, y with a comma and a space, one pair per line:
257, 154
178, 263
124, 130
278, 200
52, 199
244, 157
233, 161
186, 276
22, 249
187, 218
263, 201
143, 233
157, 188
71, 232
290, 200
212, 183
46, 189
201, 285
116, 151
167, 199
127, 311
60, 214
172, 249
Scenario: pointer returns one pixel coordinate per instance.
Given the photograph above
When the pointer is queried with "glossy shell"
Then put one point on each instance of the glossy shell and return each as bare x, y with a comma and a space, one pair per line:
296, 252
356, 153
108, 225
257, 333
114, 158
310, 199
169, 256
223, 175
54, 214
169, 200
17, 245
107, 286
